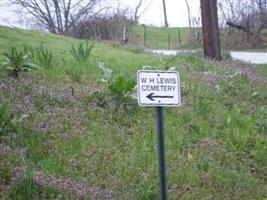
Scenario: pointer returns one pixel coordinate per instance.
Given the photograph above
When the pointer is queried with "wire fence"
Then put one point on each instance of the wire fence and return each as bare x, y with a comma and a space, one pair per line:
160, 38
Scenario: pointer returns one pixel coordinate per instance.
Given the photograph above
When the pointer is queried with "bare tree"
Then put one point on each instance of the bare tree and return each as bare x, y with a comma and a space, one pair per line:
138, 11
165, 13
196, 23
249, 16
210, 29
189, 20
57, 16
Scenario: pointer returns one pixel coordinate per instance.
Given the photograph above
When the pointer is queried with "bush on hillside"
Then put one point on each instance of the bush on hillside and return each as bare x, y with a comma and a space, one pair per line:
103, 27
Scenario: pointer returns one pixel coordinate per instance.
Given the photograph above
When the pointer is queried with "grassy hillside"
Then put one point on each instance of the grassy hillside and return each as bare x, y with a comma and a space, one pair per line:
63, 138
262, 69
157, 38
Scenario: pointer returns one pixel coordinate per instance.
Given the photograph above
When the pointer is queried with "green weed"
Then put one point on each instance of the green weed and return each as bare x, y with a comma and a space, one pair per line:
45, 58
81, 52
5, 119
119, 88
24, 187
106, 73
75, 73
17, 61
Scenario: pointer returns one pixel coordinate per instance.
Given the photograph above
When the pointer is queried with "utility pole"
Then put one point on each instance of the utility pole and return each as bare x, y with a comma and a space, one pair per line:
210, 29
165, 13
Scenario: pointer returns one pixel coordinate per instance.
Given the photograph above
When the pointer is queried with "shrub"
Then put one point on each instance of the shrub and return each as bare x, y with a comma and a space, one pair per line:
17, 61
104, 27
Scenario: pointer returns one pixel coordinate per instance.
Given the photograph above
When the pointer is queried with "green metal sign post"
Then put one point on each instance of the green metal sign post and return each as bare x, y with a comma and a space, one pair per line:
159, 89
161, 154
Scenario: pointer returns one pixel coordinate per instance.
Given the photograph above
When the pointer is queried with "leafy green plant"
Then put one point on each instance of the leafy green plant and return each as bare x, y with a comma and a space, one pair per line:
45, 58
119, 88
81, 52
75, 73
106, 73
30, 51
17, 61
9, 122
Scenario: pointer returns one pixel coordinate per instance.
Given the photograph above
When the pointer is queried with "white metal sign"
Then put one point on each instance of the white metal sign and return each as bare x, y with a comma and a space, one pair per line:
158, 88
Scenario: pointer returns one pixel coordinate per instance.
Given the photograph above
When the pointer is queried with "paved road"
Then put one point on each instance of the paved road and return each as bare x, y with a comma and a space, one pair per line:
170, 52
252, 57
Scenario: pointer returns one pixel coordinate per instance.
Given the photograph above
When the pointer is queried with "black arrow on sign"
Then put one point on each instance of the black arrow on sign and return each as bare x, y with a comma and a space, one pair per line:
152, 98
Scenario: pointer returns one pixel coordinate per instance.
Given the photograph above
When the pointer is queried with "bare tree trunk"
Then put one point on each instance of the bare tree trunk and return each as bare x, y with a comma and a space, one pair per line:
210, 29
189, 21
165, 13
